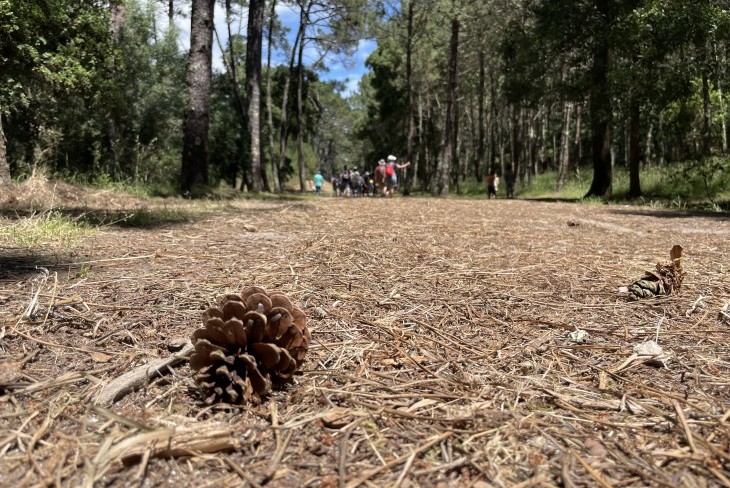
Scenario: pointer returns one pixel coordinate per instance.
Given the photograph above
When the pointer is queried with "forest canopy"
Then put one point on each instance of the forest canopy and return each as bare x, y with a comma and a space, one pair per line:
117, 92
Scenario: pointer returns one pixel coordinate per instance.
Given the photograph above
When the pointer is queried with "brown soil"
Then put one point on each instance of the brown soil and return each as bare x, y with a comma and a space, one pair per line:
441, 352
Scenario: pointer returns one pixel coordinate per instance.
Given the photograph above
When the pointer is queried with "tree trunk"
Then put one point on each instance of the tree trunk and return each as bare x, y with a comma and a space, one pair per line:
448, 154
194, 171
269, 101
706, 115
516, 143
117, 11
564, 164
231, 70
4, 163
634, 150
578, 139
171, 11
421, 145
300, 114
254, 39
544, 122
481, 146
601, 185
532, 141
411, 108
720, 61
661, 151
649, 143
284, 123
495, 125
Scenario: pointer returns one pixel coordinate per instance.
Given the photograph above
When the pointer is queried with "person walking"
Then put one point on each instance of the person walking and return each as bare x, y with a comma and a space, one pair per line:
509, 179
379, 178
492, 182
318, 181
391, 174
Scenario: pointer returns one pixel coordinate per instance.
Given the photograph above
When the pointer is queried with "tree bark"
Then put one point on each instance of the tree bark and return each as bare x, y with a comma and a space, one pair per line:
481, 143
516, 144
720, 61
634, 149
117, 11
422, 150
284, 123
564, 165
4, 163
231, 70
411, 109
578, 140
269, 100
495, 125
448, 154
601, 185
649, 144
544, 122
254, 39
706, 115
194, 171
300, 112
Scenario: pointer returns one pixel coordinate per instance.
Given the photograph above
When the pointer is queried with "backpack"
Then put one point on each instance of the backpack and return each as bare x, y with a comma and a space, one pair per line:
389, 169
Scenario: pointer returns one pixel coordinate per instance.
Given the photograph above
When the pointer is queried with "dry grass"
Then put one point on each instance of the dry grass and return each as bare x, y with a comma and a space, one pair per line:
441, 353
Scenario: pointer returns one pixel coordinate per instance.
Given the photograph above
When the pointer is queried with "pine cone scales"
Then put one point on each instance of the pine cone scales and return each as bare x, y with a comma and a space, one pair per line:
256, 336
667, 278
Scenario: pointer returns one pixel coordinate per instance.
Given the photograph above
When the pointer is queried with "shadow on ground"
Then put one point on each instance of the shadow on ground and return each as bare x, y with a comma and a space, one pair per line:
21, 265
671, 214
551, 199
135, 218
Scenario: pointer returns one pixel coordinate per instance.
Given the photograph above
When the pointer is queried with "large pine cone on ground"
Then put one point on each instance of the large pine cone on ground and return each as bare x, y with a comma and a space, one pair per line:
257, 336
667, 278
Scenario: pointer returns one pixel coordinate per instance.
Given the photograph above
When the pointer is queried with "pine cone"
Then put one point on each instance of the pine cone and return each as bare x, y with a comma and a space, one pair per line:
256, 336
667, 278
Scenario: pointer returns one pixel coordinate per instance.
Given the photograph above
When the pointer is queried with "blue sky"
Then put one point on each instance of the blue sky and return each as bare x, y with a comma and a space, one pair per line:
348, 72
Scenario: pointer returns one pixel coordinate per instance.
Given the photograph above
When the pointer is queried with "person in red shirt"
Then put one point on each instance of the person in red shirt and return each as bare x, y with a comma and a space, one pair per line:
391, 174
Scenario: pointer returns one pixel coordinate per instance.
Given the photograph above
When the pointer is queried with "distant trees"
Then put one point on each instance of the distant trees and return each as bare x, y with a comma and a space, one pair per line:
98, 90
647, 77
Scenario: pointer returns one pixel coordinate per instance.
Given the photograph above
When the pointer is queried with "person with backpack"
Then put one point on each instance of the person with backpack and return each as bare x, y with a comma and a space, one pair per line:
345, 183
356, 181
391, 174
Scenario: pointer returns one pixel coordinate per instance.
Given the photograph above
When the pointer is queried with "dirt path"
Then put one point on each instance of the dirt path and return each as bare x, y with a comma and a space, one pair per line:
441, 354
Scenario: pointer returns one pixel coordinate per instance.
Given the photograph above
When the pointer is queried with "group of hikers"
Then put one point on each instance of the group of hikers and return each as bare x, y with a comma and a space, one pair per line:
492, 181
383, 181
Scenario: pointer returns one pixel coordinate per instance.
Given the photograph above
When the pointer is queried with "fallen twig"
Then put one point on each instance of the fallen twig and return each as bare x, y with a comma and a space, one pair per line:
130, 381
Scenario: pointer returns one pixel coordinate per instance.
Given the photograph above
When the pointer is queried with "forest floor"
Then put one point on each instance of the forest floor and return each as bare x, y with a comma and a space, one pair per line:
442, 352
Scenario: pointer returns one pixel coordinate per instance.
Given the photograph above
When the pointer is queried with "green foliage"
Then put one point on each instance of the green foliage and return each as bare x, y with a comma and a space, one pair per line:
689, 184
83, 104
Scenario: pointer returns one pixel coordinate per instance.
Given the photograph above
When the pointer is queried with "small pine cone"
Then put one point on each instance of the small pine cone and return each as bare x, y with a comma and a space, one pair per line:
257, 336
667, 278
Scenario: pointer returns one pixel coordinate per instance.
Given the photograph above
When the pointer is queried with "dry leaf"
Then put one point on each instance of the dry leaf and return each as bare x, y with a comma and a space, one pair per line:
100, 357
338, 417
648, 348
